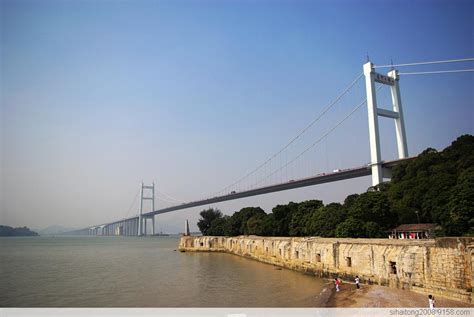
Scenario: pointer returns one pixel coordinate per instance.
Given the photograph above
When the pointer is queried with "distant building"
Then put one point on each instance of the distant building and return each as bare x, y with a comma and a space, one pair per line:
414, 231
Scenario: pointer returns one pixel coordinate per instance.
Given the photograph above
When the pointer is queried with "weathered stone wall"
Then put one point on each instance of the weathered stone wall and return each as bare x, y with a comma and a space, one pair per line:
440, 267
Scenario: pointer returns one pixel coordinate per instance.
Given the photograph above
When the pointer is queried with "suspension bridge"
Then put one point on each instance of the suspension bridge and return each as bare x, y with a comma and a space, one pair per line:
377, 168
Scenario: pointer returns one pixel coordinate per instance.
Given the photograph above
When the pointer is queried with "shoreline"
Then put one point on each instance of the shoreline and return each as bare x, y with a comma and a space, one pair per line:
440, 267
377, 296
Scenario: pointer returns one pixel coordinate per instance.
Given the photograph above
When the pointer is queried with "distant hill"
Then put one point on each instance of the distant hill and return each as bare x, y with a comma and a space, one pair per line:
6, 231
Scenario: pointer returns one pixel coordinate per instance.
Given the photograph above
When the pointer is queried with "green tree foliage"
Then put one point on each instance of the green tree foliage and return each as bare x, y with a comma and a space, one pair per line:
373, 230
436, 185
220, 227
350, 228
349, 201
268, 226
238, 221
300, 217
325, 219
373, 206
207, 217
282, 215
460, 208
255, 224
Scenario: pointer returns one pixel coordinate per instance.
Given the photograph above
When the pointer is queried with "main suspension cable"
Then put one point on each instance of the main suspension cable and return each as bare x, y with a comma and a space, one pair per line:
428, 63
439, 72
325, 110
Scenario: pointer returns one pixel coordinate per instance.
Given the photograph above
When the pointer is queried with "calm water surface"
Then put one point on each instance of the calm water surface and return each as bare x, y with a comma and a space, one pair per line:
131, 272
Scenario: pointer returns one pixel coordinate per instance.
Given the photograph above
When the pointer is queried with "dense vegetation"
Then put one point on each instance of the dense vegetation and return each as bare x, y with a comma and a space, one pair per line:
436, 187
6, 231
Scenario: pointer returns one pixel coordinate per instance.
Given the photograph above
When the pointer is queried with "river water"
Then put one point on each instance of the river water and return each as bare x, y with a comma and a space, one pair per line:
141, 272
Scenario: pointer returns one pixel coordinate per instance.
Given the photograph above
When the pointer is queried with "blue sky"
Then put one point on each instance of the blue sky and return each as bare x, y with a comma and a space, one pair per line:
97, 96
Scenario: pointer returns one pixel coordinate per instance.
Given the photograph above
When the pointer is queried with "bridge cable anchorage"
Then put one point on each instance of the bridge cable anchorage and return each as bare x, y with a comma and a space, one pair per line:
325, 110
357, 107
460, 60
439, 72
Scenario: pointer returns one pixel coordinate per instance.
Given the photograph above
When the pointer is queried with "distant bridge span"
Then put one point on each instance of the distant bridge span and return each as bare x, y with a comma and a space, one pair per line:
129, 226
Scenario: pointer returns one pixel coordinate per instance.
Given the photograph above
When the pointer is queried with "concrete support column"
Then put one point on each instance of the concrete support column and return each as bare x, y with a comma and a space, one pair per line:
374, 137
153, 224
399, 122
140, 212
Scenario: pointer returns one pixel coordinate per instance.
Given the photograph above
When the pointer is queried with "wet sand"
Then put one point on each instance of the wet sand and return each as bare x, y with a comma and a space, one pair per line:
376, 296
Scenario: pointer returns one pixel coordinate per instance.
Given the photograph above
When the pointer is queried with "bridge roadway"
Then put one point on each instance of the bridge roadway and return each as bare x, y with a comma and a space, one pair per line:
309, 181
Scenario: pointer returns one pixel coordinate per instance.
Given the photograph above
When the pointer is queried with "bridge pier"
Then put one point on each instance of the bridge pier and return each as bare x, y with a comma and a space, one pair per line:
153, 225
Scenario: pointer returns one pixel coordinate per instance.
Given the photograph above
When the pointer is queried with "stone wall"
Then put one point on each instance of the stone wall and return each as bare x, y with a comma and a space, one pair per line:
442, 266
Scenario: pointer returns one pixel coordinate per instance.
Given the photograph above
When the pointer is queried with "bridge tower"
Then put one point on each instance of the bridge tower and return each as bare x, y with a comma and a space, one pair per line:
142, 221
392, 80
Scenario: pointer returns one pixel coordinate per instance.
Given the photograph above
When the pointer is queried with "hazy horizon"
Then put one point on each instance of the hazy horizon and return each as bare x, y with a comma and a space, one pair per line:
97, 97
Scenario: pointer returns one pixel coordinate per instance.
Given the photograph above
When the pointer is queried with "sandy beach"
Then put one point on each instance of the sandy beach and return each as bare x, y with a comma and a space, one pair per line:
381, 296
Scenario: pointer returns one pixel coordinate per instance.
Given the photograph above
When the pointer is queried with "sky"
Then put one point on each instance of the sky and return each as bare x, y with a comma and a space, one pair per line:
98, 96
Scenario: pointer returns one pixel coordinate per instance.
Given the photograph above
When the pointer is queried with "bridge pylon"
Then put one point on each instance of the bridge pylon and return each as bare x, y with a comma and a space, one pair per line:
392, 80
142, 221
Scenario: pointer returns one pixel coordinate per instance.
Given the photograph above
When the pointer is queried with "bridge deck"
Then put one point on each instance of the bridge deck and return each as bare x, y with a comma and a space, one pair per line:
309, 181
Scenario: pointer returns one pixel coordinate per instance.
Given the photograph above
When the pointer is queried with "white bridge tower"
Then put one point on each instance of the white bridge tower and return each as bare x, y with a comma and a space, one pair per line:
391, 79
142, 221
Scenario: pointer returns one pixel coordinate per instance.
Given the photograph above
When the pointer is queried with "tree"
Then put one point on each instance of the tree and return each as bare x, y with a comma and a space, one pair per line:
300, 217
351, 228
220, 227
432, 185
350, 200
373, 206
373, 230
255, 224
324, 220
268, 226
282, 215
207, 217
238, 221
460, 209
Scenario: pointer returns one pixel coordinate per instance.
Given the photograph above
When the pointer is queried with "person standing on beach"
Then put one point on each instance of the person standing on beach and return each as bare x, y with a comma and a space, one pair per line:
431, 301
357, 281
337, 282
